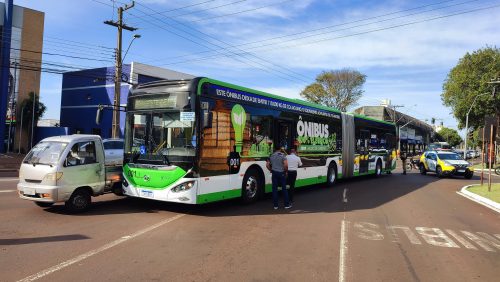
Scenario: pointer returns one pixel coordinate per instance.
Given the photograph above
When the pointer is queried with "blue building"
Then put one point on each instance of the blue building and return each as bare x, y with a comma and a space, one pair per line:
83, 91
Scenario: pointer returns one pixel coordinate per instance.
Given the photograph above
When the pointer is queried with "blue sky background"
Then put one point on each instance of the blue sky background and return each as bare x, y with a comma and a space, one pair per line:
406, 48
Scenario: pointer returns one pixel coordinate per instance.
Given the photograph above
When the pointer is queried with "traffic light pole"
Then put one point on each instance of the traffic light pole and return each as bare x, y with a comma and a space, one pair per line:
115, 127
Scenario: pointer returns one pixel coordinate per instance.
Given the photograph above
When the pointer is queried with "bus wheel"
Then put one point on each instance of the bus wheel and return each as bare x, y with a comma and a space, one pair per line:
252, 186
378, 168
422, 169
331, 178
79, 201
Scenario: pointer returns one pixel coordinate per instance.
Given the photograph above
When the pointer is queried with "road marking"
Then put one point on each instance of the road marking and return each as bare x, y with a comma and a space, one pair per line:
343, 249
432, 236
344, 197
86, 255
8, 179
7, 191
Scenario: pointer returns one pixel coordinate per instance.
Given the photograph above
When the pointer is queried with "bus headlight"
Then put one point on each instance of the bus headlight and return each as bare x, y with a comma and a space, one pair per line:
183, 187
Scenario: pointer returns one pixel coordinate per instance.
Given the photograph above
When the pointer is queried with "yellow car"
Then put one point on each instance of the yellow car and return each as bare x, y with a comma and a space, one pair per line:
445, 163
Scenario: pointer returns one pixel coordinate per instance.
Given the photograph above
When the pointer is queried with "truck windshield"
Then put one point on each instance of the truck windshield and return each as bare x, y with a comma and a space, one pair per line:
46, 153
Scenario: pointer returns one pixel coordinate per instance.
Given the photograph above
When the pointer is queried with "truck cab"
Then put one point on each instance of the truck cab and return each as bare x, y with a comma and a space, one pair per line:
68, 169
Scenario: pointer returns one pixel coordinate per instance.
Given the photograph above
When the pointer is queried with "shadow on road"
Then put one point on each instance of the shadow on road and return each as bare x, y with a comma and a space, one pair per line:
362, 193
35, 240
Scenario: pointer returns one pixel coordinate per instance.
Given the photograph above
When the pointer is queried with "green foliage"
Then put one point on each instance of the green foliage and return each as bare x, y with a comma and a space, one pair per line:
339, 89
450, 136
27, 105
468, 79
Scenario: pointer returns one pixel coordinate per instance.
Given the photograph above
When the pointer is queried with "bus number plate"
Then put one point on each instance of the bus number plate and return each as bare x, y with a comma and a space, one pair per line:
146, 193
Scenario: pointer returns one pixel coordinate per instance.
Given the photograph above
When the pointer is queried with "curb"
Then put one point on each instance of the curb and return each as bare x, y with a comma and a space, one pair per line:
478, 199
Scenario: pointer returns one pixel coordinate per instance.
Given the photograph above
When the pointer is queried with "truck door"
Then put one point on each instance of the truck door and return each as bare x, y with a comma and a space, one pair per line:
84, 167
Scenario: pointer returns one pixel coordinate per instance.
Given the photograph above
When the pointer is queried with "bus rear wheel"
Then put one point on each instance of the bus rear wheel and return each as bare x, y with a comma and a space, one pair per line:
252, 186
331, 177
378, 169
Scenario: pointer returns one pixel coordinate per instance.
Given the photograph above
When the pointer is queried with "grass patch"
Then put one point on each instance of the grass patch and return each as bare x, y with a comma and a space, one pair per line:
494, 195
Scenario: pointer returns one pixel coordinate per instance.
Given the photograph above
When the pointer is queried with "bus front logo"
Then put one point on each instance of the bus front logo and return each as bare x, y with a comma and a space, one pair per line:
146, 178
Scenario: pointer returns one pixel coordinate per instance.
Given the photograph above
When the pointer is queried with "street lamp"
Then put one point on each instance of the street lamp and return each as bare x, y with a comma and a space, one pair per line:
467, 123
134, 38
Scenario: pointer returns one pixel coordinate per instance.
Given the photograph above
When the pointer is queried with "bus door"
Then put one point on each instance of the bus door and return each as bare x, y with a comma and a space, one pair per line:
283, 134
364, 152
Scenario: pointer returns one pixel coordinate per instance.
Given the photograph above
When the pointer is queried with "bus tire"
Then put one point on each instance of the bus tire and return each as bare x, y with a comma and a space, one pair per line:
378, 168
79, 201
331, 177
252, 186
423, 171
44, 204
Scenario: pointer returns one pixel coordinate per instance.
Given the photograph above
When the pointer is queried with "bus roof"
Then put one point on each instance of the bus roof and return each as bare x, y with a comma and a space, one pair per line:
297, 101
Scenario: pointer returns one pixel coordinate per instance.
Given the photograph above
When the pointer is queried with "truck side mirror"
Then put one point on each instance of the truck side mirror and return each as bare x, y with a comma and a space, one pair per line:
98, 115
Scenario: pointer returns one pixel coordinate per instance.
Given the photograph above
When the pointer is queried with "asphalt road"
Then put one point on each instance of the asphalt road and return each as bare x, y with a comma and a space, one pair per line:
392, 228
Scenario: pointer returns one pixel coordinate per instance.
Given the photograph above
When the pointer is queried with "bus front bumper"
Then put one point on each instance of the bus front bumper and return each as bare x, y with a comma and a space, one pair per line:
167, 194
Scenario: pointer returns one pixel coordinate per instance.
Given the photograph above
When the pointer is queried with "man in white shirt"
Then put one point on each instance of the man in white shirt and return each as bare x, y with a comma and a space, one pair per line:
293, 164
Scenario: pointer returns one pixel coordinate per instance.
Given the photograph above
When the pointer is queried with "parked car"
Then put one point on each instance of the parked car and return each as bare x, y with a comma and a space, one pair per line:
113, 151
68, 169
445, 164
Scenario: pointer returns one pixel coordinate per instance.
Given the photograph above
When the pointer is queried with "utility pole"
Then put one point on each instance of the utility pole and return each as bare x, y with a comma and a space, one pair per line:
115, 128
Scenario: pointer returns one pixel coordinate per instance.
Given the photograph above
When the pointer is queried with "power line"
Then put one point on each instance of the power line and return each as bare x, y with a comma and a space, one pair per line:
171, 10
296, 75
349, 35
331, 26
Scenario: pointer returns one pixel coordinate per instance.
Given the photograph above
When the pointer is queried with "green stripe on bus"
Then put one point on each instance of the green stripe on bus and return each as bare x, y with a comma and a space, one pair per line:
296, 101
218, 196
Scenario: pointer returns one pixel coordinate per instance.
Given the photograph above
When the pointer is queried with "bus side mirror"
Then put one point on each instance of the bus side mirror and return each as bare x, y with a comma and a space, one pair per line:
98, 115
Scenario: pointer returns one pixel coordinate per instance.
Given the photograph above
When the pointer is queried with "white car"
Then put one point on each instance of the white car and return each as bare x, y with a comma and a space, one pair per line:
113, 151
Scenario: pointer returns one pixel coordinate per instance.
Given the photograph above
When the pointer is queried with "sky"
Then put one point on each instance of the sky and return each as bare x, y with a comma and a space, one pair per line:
405, 48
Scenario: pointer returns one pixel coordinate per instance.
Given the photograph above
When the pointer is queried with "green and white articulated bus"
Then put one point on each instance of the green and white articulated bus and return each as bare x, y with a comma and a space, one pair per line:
202, 140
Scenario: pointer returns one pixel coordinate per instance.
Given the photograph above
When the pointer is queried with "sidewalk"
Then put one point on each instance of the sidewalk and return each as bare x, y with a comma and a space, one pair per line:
479, 199
9, 164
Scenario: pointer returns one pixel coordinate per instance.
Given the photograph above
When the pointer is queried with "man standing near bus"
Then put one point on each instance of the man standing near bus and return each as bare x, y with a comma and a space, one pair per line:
278, 166
293, 164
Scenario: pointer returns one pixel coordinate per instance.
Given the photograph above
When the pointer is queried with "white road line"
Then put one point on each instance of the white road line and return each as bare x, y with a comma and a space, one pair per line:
7, 191
86, 255
8, 179
343, 250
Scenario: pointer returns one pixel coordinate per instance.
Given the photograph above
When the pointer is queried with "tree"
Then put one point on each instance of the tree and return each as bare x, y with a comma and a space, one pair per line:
27, 112
27, 105
449, 135
468, 79
337, 88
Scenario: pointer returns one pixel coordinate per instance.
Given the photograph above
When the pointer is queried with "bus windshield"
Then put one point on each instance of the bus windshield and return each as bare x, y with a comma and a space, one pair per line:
161, 133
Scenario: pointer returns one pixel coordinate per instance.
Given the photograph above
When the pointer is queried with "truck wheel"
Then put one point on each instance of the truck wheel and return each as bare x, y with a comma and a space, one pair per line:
252, 186
423, 171
331, 177
79, 201
117, 189
44, 204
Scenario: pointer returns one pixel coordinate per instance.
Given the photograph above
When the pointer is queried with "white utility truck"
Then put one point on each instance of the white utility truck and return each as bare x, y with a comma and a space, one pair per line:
68, 169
